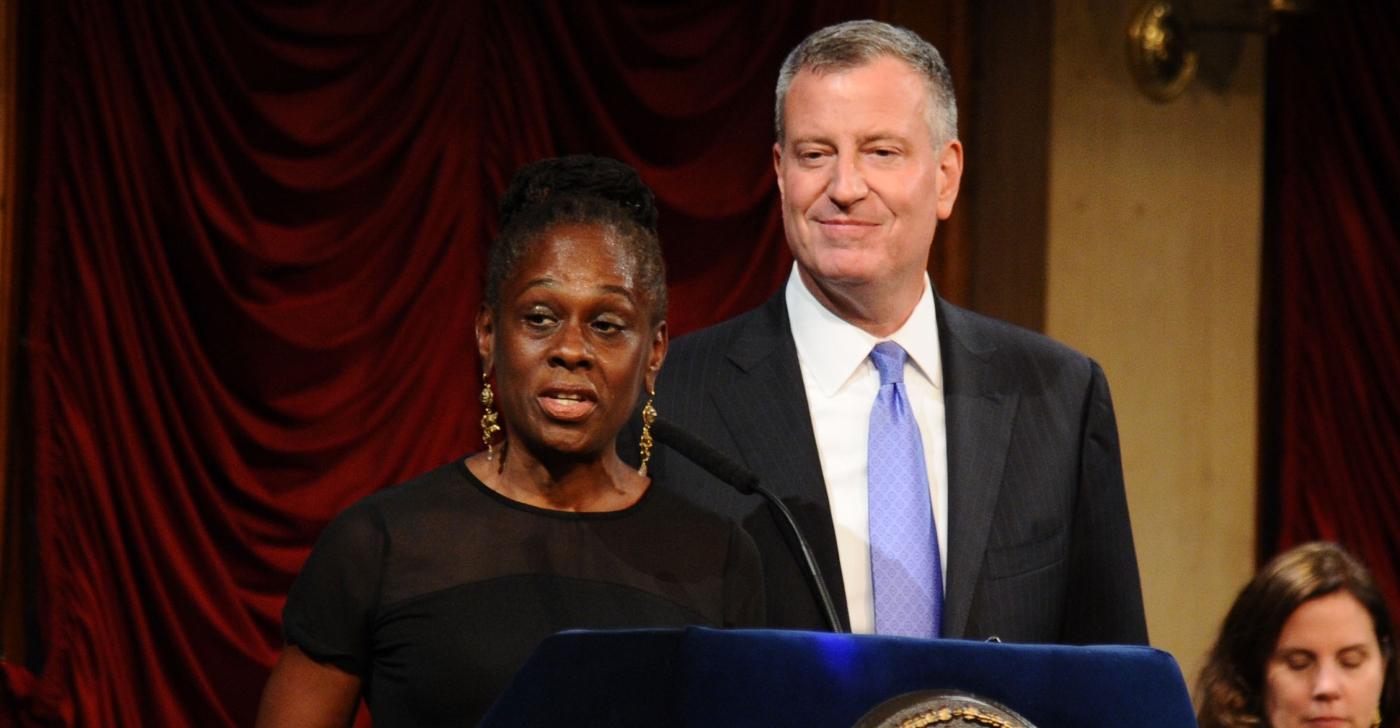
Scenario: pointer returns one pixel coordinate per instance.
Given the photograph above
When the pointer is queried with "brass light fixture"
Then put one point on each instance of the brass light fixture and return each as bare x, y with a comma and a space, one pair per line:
1163, 54
1160, 54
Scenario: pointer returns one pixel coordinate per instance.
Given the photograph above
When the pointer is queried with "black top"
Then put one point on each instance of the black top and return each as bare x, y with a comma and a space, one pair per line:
434, 592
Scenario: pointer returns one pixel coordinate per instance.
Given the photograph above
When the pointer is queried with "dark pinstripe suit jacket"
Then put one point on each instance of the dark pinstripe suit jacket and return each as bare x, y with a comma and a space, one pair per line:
1039, 544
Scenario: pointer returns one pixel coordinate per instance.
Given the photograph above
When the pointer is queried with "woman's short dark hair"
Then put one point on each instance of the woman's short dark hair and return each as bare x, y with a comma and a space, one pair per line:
579, 189
1231, 686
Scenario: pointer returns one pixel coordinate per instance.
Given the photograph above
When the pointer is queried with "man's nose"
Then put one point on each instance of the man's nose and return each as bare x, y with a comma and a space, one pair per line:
847, 185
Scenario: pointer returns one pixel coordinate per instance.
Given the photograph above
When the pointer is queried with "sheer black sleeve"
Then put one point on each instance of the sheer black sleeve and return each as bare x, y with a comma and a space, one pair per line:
743, 582
333, 600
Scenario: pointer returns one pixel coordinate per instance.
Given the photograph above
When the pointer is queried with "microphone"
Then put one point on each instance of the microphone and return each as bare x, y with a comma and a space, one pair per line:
743, 480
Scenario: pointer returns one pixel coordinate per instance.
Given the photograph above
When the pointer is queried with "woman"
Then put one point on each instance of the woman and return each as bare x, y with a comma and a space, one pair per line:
426, 598
1308, 642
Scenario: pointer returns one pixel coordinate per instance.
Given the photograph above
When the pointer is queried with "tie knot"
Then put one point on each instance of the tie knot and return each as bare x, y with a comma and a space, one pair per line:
889, 361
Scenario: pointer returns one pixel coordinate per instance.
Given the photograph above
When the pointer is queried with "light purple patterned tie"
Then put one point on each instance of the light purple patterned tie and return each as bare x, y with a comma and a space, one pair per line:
906, 568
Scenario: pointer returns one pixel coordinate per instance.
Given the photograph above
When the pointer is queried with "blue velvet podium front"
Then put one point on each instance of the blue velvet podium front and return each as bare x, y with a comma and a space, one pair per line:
704, 677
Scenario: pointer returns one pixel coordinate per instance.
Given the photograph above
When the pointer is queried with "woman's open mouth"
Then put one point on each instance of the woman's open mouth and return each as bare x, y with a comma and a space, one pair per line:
567, 405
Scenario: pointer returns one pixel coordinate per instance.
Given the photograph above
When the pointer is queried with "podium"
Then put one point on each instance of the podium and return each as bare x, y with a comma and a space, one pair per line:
705, 677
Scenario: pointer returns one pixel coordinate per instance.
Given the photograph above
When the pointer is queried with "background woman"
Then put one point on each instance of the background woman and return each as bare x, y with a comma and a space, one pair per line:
427, 597
1308, 642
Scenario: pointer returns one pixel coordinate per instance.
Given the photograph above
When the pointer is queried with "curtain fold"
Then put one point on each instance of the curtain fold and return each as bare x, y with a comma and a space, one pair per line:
1331, 310
254, 262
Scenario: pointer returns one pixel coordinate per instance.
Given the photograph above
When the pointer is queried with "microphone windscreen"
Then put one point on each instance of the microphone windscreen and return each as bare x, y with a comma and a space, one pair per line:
701, 453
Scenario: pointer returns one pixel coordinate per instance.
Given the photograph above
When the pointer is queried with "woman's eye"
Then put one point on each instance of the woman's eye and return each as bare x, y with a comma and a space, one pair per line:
1298, 662
1352, 658
539, 318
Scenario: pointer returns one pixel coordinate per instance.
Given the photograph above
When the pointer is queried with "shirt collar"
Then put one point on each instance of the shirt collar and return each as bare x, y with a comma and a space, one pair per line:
832, 351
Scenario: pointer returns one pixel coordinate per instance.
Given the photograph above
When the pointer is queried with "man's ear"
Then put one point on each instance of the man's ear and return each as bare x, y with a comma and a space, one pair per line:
485, 339
778, 165
950, 166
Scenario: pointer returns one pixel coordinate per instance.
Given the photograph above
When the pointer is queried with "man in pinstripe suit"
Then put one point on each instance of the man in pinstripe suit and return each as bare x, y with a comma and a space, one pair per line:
1018, 433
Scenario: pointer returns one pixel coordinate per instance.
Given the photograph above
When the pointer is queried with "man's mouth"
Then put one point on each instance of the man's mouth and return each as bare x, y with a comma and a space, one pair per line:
847, 227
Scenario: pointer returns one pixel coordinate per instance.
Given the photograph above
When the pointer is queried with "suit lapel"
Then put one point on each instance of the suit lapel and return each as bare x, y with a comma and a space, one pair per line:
767, 415
979, 414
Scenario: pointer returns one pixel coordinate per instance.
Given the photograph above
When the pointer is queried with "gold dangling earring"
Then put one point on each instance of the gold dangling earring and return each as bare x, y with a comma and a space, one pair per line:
489, 427
1377, 722
648, 417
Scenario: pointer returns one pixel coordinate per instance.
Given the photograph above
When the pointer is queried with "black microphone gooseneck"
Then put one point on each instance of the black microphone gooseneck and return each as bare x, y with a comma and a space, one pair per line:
741, 479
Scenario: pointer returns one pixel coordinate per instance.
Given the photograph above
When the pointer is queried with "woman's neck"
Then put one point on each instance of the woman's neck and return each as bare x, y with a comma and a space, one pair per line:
598, 484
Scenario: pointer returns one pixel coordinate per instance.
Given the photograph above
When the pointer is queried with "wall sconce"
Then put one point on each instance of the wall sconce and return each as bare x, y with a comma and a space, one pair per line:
1163, 55
1160, 54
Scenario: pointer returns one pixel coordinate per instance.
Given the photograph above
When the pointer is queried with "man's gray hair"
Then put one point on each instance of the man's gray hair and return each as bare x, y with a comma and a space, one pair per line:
855, 43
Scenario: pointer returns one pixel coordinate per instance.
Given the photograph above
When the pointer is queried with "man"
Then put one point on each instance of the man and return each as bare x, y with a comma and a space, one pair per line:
1007, 477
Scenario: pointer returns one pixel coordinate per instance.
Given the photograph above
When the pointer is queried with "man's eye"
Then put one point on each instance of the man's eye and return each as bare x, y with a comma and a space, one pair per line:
539, 318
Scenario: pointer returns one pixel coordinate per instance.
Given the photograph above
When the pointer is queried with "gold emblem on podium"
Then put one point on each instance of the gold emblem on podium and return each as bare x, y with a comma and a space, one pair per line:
941, 708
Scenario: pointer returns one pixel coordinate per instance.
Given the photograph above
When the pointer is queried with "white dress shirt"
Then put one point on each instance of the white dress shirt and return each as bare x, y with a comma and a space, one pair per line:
841, 384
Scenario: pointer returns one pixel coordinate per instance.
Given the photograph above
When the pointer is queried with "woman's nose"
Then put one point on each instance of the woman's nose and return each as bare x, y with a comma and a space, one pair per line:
1327, 685
571, 347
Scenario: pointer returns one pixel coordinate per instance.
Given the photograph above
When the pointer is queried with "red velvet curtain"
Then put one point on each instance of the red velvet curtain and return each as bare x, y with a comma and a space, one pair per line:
253, 257
1331, 354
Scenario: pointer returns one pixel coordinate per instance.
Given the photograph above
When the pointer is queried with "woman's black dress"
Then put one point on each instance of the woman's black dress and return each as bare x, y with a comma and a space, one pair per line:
435, 592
